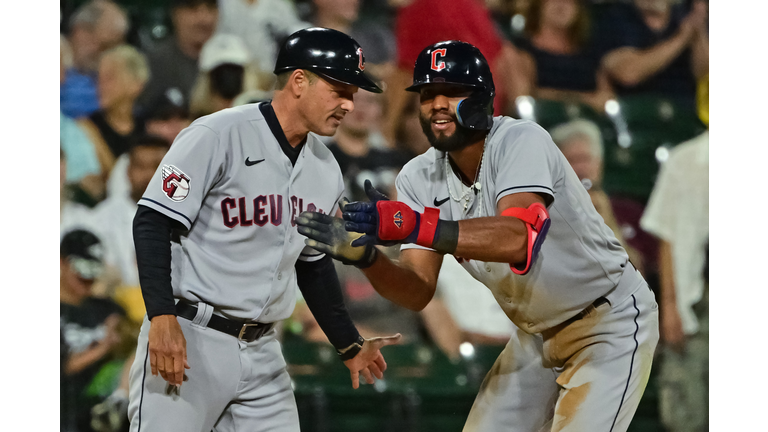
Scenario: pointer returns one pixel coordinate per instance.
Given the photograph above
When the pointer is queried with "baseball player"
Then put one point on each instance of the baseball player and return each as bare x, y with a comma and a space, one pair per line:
219, 255
497, 193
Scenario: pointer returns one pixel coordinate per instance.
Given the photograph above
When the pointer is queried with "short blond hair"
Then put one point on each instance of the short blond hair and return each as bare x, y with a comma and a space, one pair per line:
580, 128
133, 60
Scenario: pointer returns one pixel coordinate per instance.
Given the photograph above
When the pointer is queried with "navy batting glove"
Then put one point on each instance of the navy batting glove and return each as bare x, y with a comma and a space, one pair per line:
363, 217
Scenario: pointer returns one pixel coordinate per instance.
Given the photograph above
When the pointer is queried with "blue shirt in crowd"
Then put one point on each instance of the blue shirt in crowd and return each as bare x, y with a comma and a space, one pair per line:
78, 95
78, 150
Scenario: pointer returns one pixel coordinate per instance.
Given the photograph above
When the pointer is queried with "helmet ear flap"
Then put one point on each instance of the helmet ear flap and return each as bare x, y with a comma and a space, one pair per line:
476, 111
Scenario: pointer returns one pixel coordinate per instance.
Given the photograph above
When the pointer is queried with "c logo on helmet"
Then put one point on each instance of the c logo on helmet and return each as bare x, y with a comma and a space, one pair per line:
361, 63
435, 65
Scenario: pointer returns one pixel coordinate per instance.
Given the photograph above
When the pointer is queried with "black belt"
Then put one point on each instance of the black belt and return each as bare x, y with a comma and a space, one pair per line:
244, 331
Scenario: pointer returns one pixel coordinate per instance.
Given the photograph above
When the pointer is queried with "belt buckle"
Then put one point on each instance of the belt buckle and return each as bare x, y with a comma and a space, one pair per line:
244, 328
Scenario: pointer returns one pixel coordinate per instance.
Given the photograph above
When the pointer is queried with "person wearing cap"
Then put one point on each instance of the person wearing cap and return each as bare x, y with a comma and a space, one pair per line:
225, 73
219, 256
89, 325
174, 60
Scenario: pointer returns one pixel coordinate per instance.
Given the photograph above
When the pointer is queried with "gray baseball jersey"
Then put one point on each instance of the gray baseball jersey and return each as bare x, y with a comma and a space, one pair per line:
579, 261
587, 362
226, 179
229, 182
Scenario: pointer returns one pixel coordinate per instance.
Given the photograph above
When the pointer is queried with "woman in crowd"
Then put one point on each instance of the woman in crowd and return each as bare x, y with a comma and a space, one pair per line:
123, 72
557, 58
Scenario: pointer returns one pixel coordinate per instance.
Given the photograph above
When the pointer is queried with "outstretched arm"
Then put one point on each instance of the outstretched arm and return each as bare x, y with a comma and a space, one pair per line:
411, 282
391, 222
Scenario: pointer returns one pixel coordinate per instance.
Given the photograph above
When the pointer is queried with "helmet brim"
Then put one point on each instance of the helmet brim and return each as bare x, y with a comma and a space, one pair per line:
358, 79
417, 86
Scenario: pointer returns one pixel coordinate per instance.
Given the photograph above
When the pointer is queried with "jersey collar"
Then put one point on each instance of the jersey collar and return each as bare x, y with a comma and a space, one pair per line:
274, 125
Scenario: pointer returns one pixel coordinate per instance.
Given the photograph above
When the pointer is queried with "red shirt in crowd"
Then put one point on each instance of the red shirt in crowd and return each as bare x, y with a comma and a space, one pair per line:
425, 22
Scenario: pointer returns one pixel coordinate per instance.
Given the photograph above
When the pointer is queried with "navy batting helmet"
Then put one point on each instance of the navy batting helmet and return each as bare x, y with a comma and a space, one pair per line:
460, 63
328, 53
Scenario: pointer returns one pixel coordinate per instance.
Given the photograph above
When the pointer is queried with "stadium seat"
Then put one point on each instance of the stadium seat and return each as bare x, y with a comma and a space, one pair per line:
646, 128
550, 113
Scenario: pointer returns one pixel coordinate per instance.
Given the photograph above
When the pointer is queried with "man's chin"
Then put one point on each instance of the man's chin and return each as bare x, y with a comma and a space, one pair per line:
327, 131
456, 141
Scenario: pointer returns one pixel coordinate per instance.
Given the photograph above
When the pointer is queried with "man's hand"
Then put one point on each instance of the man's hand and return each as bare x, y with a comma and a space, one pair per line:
369, 362
326, 234
167, 349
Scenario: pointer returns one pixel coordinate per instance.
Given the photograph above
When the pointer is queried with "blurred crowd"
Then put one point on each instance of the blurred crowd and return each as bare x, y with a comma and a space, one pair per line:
134, 75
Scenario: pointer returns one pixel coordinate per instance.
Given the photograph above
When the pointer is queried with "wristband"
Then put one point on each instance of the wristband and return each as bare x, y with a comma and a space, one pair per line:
351, 351
427, 226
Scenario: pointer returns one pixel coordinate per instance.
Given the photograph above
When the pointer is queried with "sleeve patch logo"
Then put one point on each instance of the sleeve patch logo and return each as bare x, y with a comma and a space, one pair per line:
398, 219
175, 183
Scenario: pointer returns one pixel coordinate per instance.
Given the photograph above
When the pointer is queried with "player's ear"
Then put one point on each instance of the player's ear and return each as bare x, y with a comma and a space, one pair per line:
298, 82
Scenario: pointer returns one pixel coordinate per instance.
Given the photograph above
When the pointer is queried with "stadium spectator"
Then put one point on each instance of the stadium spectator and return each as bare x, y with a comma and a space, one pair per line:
173, 62
112, 222
72, 214
262, 25
225, 72
557, 57
420, 23
83, 169
678, 214
95, 27
90, 326
377, 40
361, 151
123, 72
655, 46
166, 119
581, 143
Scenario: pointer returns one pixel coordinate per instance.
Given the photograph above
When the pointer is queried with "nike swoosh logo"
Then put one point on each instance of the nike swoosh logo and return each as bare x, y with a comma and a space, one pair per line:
248, 162
439, 203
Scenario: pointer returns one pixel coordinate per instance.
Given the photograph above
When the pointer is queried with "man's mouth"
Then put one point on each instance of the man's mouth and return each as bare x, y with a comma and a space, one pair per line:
441, 124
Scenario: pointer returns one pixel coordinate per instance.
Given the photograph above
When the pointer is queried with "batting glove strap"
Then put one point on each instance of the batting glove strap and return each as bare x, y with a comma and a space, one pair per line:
537, 222
427, 227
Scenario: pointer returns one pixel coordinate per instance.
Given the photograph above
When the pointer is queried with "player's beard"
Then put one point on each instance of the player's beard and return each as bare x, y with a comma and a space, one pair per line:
462, 136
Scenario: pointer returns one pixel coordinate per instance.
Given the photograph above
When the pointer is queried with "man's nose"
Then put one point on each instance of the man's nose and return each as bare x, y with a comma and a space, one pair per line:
440, 102
348, 105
